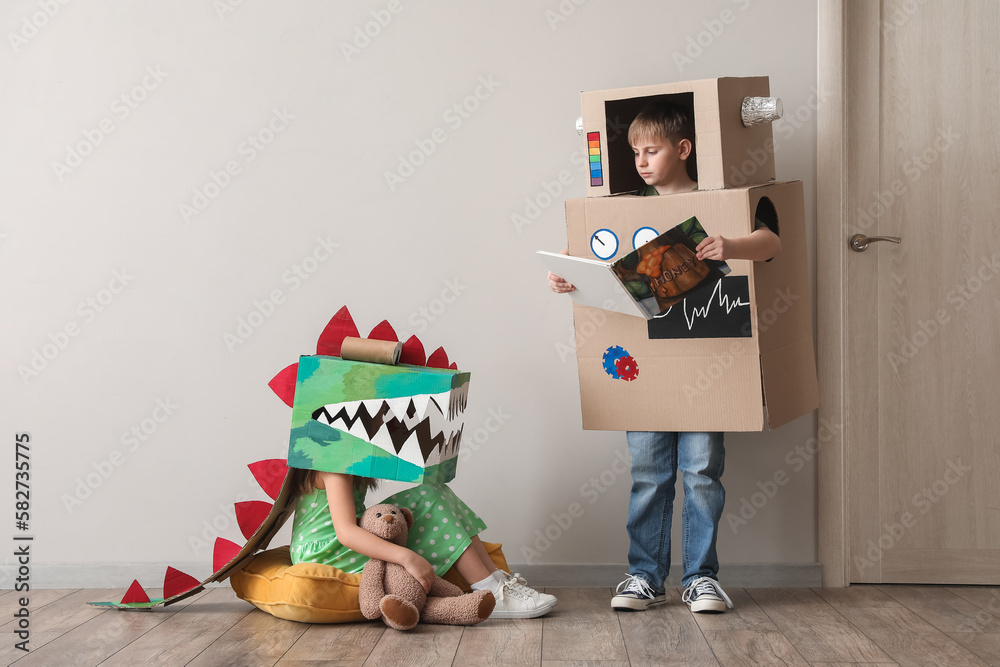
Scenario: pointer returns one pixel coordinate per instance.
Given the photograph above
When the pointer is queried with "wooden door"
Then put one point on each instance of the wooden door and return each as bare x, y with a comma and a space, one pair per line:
917, 461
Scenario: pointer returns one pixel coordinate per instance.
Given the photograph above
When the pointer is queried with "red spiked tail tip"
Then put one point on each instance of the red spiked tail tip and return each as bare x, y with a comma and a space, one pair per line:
269, 473
384, 331
337, 329
453, 366
283, 384
250, 515
176, 582
413, 352
224, 552
438, 359
135, 593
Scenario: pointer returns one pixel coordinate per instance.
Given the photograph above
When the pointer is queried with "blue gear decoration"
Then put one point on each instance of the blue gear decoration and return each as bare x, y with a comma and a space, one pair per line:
610, 362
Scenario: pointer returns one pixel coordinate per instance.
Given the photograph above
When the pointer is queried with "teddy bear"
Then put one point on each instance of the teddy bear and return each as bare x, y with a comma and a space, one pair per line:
388, 591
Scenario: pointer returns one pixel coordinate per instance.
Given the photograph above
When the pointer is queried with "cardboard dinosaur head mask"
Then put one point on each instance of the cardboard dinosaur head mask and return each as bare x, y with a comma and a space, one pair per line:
400, 421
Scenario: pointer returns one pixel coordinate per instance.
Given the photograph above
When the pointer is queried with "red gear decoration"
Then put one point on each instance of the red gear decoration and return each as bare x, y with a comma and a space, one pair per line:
628, 369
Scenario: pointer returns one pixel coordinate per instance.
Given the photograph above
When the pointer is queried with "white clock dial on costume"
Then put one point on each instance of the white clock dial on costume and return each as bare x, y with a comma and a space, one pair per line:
642, 236
604, 243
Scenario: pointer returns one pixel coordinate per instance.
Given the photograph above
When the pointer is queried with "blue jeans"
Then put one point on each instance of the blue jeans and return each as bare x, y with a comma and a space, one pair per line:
656, 457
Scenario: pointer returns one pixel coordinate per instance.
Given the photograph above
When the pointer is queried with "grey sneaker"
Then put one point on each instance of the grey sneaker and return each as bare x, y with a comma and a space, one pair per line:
635, 594
705, 594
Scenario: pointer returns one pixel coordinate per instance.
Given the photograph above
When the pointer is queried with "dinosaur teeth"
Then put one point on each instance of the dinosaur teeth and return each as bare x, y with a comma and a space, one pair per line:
322, 415
423, 429
410, 451
398, 405
420, 403
359, 430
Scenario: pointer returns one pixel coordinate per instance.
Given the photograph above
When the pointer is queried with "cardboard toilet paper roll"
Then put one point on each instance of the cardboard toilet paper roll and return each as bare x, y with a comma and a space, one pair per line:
367, 349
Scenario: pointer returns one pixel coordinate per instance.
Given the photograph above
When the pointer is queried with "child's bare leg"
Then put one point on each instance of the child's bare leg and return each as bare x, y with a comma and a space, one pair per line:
471, 565
480, 550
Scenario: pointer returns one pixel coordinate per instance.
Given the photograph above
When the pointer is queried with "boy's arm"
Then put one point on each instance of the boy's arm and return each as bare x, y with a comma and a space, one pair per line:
759, 246
558, 284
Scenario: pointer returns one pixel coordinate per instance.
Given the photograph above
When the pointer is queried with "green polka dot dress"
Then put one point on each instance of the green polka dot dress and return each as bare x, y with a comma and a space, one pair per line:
443, 528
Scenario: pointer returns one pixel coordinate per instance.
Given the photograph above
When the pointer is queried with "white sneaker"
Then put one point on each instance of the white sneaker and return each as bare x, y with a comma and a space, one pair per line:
515, 600
705, 594
635, 594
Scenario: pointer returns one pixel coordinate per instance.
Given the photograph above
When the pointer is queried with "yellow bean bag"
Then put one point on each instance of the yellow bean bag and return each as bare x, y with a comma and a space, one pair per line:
314, 593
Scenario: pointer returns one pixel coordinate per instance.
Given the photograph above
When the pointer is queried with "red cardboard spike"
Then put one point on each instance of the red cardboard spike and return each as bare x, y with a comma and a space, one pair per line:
337, 329
283, 384
384, 331
176, 582
438, 359
135, 593
413, 352
250, 514
270, 473
453, 366
224, 552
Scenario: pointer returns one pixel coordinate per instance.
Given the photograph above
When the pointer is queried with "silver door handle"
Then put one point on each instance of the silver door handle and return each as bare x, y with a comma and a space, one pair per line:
859, 242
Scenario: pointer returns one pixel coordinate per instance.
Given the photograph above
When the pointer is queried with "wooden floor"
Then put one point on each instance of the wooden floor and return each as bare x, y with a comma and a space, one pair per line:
861, 625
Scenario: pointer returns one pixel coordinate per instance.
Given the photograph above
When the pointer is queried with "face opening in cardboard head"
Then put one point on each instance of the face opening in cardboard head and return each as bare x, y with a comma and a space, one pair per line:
619, 115
733, 137
399, 422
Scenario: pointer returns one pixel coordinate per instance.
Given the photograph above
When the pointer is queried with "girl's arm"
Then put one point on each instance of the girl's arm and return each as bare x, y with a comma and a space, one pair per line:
340, 494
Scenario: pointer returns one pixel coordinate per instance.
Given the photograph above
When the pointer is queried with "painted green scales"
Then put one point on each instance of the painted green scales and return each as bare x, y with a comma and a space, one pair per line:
376, 420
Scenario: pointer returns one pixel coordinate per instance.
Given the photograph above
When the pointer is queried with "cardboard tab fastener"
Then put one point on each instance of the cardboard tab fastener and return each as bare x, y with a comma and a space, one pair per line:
374, 351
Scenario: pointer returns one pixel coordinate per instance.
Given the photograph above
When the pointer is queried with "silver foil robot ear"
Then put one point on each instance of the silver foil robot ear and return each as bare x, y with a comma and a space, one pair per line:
759, 110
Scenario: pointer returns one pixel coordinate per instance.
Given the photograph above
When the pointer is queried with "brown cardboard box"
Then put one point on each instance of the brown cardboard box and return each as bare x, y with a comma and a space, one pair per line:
727, 153
754, 368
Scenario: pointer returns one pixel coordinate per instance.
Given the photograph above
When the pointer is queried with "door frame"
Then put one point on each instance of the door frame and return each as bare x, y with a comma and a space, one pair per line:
848, 55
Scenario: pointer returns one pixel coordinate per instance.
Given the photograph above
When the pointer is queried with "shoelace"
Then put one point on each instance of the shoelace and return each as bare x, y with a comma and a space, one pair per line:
519, 583
703, 585
634, 584
511, 588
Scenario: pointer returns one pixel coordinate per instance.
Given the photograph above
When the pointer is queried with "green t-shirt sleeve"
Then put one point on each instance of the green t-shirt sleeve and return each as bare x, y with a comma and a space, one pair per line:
696, 234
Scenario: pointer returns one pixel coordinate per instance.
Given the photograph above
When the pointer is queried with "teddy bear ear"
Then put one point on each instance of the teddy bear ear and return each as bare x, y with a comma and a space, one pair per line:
409, 516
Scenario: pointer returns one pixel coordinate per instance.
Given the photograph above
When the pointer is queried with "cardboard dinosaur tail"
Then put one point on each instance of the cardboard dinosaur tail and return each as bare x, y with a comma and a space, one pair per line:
259, 521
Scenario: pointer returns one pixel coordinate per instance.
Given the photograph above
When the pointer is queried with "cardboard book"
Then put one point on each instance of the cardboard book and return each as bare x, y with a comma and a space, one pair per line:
646, 282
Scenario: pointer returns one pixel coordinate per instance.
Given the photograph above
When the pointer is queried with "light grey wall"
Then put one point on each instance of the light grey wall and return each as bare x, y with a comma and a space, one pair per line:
157, 98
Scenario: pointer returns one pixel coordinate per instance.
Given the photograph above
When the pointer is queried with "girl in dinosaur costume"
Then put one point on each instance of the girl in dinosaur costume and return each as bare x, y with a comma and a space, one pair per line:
354, 422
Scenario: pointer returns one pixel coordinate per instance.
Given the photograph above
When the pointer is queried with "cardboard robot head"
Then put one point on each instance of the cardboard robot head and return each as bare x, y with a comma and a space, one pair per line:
734, 144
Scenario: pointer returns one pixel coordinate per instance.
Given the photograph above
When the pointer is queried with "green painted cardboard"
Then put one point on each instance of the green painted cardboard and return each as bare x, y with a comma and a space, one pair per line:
397, 422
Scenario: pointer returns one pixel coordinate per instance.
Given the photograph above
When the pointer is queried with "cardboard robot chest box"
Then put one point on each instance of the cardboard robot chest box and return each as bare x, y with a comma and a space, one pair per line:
735, 354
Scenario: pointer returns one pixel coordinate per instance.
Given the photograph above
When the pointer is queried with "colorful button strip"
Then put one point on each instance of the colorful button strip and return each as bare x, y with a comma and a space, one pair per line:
594, 143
